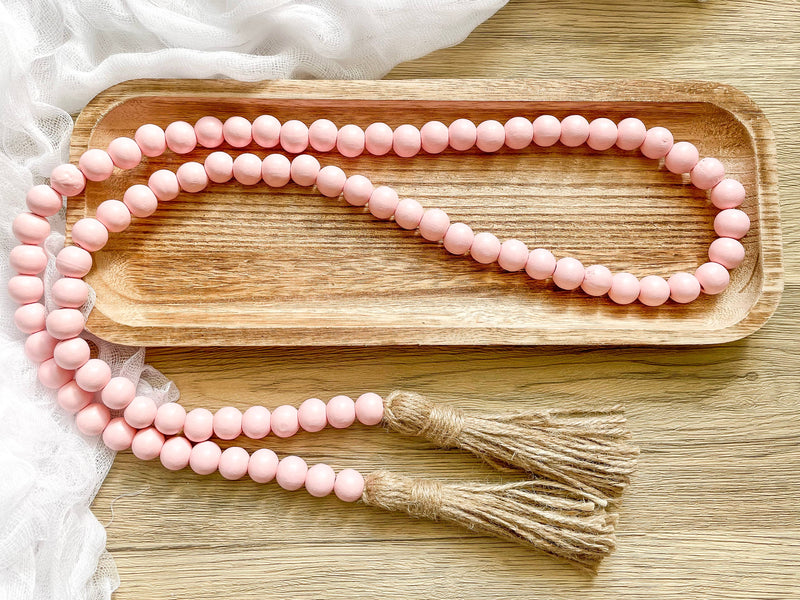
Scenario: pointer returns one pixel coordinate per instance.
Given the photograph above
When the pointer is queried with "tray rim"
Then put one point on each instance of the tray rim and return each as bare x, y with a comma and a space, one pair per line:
571, 91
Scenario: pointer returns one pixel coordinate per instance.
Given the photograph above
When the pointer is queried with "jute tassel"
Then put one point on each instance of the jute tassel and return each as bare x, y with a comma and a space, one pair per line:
588, 450
542, 514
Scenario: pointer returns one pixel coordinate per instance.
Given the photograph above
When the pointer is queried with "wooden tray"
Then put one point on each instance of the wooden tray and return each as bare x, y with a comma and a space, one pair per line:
243, 265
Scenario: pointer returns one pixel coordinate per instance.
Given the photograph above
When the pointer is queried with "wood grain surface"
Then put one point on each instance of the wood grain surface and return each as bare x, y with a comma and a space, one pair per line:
289, 266
712, 512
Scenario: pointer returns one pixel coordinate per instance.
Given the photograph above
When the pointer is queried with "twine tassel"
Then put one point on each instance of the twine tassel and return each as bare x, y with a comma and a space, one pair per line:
541, 514
588, 450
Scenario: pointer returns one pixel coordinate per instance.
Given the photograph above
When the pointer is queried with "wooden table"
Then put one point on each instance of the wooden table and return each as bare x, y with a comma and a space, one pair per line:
713, 510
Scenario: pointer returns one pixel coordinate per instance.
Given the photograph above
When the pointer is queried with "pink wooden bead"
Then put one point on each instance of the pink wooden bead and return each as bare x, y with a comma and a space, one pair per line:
654, 290
72, 398
256, 422
320, 480
291, 473
713, 278
219, 167
382, 202
546, 130
349, 485
357, 190
707, 173
228, 423
70, 293
294, 136
263, 465
208, 131
732, 223
192, 176
312, 415
96, 164
322, 135
247, 169
434, 137
114, 215
72, 354
164, 184
276, 170
147, 443
458, 239
341, 411
43, 200
118, 393
238, 132
541, 264
330, 181
199, 425
283, 421
569, 273
170, 418
513, 255
631, 133
140, 200
25, 289
93, 419
65, 323
94, 375
408, 213
369, 409
233, 463
726, 251
490, 136
118, 435
29, 228
603, 134
266, 131
683, 287
72, 261
463, 134
304, 169
204, 458
90, 234
52, 376
518, 133
175, 453
30, 318
350, 141
378, 139
407, 141
658, 141
434, 224
151, 140
574, 131
728, 193
67, 180
125, 152
597, 280
27, 260
141, 412
180, 136
485, 248
39, 346
682, 158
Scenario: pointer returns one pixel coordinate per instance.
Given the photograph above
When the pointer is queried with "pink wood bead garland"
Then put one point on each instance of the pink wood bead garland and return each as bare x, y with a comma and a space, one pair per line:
107, 405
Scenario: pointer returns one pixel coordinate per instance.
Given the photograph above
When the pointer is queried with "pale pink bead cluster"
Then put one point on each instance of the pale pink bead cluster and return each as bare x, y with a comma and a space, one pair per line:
85, 384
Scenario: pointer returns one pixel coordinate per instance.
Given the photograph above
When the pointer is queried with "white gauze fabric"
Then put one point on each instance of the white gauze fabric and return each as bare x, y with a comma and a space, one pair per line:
55, 55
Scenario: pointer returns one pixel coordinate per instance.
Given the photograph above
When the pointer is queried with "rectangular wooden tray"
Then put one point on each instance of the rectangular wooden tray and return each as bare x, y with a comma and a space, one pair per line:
240, 265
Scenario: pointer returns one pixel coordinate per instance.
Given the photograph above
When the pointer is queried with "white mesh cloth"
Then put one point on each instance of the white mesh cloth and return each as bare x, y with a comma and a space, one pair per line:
55, 55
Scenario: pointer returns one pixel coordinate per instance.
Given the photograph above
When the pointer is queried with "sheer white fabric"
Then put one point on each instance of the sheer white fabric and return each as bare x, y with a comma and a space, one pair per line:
55, 55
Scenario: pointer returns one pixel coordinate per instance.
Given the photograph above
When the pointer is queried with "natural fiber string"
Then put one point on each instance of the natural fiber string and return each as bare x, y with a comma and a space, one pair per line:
542, 514
587, 450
